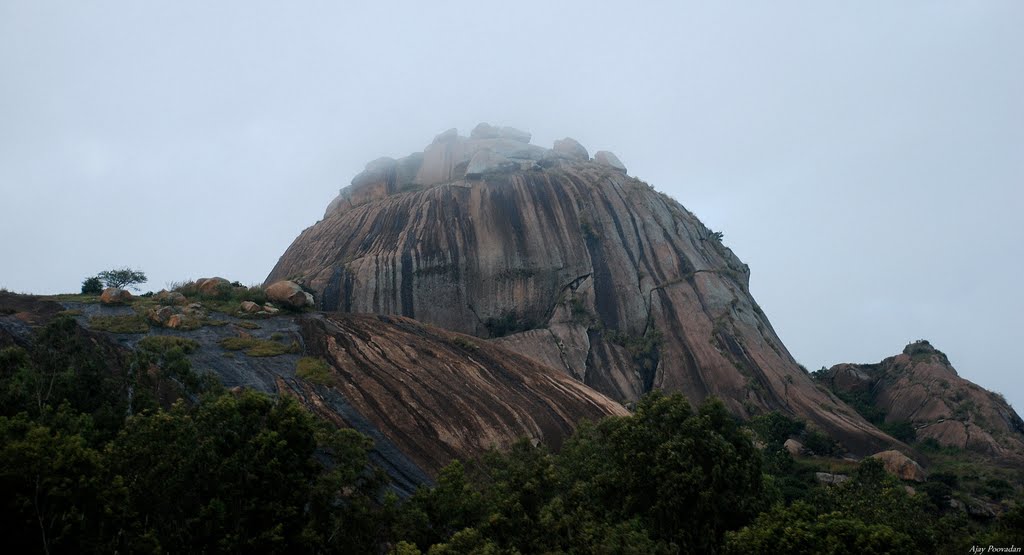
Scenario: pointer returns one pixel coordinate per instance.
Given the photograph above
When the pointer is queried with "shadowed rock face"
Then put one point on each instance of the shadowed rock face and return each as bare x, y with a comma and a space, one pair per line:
574, 264
920, 386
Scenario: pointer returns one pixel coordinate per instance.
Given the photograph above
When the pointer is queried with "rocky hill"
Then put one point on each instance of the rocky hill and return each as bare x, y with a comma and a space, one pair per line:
567, 260
426, 396
921, 387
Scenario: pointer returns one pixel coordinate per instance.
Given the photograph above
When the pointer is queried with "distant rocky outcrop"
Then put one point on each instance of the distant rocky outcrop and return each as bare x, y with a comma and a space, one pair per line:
566, 260
921, 387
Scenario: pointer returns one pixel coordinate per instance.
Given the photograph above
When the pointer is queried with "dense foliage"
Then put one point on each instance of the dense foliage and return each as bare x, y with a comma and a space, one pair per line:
106, 450
92, 286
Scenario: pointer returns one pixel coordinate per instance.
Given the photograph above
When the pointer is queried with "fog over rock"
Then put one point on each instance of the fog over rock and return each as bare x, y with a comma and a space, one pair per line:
568, 261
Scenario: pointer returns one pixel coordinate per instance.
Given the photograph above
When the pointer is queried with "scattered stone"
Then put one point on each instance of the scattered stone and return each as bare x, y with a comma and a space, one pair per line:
831, 479
606, 158
170, 298
571, 149
794, 447
901, 465
160, 315
176, 321
112, 295
290, 294
270, 309
250, 307
981, 510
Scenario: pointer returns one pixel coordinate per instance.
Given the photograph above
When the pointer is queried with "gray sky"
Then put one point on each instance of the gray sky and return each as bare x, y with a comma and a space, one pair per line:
866, 160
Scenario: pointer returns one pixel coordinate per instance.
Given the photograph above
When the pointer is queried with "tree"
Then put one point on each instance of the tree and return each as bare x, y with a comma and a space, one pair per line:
92, 286
123, 277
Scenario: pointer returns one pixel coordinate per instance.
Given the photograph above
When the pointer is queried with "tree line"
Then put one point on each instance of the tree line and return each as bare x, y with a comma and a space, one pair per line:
107, 451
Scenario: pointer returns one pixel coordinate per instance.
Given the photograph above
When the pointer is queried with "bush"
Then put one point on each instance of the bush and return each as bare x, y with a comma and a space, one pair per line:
255, 347
92, 286
314, 370
129, 323
163, 343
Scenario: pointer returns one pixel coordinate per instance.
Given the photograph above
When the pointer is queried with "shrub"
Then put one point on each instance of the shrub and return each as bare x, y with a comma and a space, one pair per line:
463, 343
164, 343
901, 430
92, 286
255, 347
314, 370
128, 323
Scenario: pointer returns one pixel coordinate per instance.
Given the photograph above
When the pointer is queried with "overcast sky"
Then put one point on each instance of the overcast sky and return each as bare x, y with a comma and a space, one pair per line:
866, 160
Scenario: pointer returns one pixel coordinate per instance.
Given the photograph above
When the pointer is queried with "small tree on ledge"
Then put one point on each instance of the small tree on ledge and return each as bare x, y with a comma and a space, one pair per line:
122, 277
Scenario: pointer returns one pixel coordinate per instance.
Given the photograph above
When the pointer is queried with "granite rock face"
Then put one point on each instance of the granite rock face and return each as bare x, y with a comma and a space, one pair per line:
921, 387
439, 395
572, 263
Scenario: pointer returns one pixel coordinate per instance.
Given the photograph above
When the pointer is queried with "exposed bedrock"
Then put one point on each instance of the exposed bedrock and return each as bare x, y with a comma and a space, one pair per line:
570, 262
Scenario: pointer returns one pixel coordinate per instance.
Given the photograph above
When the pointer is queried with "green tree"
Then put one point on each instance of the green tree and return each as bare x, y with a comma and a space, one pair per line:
92, 286
800, 528
122, 277
687, 476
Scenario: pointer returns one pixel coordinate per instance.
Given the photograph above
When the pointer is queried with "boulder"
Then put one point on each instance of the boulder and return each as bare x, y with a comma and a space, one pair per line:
901, 465
570, 148
270, 309
250, 307
514, 134
488, 131
484, 131
487, 161
794, 447
831, 479
113, 295
160, 315
289, 294
213, 287
170, 298
446, 136
176, 321
605, 158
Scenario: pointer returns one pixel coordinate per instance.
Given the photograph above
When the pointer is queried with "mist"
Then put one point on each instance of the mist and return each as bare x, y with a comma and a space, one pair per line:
865, 161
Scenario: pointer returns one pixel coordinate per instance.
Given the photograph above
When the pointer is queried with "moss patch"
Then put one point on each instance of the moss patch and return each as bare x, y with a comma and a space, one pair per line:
164, 343
314, 370
129, 323
255, 347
